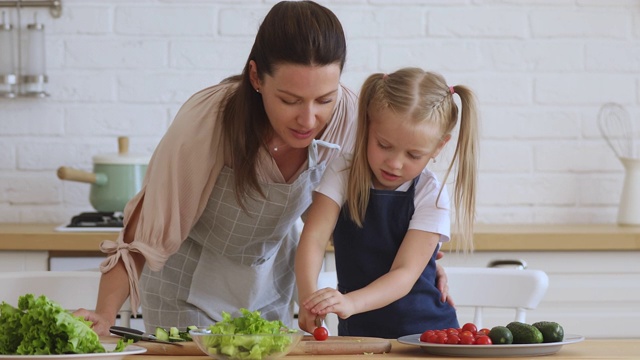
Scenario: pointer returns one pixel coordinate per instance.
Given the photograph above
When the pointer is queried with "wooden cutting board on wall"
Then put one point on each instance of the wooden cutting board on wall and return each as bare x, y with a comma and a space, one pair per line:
334, 345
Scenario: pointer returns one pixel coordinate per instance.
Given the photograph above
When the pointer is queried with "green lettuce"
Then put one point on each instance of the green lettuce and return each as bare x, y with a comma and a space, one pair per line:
43, 327
248, 347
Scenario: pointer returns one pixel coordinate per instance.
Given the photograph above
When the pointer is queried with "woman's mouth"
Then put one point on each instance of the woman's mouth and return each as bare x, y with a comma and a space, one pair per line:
301, 135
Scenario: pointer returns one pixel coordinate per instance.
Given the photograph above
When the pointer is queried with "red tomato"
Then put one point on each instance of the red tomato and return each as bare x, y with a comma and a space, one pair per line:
320, 334
483, 340
441, 338
452, 331
425, 335
484, 331
433, 338
453, 339
470, 327
467, 338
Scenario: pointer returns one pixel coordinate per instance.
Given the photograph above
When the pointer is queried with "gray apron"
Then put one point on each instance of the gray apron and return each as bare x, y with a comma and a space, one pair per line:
232, 259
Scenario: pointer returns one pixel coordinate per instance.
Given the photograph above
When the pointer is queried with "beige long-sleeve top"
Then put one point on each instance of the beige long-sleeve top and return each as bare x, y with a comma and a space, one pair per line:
182, 173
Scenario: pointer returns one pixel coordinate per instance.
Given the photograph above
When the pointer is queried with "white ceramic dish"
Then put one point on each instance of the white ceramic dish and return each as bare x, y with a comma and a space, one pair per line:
129, 350
490, 350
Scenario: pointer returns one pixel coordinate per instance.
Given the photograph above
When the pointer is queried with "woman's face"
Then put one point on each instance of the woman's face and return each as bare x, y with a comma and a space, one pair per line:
299, 101
397, 150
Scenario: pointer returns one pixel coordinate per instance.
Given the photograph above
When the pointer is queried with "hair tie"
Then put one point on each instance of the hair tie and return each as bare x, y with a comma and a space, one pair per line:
452, 90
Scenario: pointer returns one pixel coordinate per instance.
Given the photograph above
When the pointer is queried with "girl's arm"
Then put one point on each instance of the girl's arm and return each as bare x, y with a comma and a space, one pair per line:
413, 256
318, 227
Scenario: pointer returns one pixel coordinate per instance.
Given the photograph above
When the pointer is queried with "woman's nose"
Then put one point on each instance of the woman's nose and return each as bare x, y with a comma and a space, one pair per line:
307, 117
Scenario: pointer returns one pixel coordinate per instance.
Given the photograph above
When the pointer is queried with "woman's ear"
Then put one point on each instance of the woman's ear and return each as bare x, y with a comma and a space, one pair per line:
253, 75
445, 139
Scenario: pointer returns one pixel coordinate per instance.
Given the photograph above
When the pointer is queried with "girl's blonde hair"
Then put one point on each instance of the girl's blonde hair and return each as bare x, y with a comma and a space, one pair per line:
426, 97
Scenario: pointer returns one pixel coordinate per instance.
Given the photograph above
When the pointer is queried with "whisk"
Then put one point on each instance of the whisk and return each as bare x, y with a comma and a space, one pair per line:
615, 125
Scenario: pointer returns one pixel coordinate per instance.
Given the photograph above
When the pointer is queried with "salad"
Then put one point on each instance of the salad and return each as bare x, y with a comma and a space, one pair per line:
232, 337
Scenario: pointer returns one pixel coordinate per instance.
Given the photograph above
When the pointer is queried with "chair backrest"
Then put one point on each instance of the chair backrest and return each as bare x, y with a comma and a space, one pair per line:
479, 288
71, 289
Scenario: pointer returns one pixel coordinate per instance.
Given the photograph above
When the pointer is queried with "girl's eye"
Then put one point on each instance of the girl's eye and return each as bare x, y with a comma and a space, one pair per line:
383, 147
415, 157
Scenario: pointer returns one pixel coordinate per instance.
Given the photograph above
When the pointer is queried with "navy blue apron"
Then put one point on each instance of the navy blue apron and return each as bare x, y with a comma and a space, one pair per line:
365, 254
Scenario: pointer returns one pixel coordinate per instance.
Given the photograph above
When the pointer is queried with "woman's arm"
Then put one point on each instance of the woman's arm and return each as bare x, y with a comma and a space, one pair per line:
318, 227
413, 256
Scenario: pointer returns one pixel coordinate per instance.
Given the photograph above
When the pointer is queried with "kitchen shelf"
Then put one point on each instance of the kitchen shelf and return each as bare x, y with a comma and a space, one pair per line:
488, 237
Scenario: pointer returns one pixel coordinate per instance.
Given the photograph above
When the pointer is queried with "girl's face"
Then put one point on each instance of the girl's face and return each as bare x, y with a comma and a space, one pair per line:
398, 150
299, 101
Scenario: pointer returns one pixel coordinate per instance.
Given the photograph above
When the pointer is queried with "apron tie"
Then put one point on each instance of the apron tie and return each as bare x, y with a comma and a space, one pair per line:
313, 150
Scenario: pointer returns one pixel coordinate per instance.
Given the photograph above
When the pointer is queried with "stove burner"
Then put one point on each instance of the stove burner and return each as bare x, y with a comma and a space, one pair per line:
97, 219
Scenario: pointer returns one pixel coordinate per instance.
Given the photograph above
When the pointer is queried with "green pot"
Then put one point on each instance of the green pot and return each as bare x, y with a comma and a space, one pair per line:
115, 179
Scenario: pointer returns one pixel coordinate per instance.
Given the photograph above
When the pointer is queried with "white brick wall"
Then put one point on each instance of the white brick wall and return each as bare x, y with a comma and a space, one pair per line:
541, 69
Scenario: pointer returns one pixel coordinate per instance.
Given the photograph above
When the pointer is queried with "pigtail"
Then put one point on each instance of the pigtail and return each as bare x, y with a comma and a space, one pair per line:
466, 154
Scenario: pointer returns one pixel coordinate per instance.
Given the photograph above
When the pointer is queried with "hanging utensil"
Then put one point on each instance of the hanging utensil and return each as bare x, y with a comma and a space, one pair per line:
615, 125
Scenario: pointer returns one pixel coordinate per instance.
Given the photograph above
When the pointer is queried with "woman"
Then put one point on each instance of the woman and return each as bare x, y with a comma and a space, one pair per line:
216, 222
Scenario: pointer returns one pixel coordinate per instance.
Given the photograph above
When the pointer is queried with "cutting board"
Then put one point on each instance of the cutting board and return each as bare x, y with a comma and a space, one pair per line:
342, 345
334, 345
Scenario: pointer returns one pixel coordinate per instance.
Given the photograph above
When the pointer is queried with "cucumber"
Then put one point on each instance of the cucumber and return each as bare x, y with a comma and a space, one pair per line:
501, 335
551, 331
162, 334
524, 333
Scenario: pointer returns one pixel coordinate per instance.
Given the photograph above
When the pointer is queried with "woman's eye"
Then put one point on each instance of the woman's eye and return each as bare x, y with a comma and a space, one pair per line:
325, 101
290, 102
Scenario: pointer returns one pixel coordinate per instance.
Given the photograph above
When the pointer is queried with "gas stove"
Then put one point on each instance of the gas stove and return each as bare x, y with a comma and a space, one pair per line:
97, 220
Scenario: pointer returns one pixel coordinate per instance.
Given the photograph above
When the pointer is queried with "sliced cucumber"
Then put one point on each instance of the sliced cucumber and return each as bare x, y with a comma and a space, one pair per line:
162, 334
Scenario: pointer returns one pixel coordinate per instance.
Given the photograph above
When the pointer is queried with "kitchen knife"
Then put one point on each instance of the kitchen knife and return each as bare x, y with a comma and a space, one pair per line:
137, 335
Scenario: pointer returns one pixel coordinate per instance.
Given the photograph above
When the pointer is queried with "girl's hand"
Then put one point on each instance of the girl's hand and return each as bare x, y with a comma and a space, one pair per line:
100, 324
442, 281
328, 300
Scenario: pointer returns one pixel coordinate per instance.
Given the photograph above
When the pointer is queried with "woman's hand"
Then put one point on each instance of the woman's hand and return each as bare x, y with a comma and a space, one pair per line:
100, 324
442, 282
328, 300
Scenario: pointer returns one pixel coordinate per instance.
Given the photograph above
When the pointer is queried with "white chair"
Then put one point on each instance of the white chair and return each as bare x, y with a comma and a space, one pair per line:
71, 289
504, 288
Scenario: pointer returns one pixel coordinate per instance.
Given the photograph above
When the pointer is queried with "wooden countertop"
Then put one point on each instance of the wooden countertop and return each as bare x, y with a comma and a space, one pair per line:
588, 349
495, 237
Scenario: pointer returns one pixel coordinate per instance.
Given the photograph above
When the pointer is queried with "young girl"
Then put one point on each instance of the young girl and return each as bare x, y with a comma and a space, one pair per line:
388, 213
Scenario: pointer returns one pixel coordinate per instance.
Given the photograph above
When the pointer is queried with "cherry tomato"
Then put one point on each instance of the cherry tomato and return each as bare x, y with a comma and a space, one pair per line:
453, 339
425, 335
483, 340
484, 331
452, 331
466, 338
320, 334
441, 338
433, 338
470, 327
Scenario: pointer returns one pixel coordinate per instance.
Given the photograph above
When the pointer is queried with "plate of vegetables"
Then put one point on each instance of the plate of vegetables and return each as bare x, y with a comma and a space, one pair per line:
515, 339
40, 328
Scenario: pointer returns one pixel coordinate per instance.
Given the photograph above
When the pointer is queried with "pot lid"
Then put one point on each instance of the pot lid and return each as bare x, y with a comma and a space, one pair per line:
123, 156
121, 159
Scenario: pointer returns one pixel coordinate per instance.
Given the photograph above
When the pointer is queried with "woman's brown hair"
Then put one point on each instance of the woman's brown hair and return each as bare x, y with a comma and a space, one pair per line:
293, 32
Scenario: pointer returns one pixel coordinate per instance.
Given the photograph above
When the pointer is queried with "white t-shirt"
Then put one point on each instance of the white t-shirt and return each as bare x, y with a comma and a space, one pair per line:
427, 216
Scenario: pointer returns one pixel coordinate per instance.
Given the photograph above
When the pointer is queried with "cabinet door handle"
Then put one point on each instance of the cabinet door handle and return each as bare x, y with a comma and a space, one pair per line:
518, 263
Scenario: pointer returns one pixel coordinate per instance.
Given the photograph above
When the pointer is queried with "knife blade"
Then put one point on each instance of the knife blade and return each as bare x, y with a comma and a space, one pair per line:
137, 335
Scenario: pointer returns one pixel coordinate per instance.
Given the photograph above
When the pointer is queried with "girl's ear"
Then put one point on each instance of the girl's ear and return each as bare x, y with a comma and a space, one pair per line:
445, 139
253, 75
